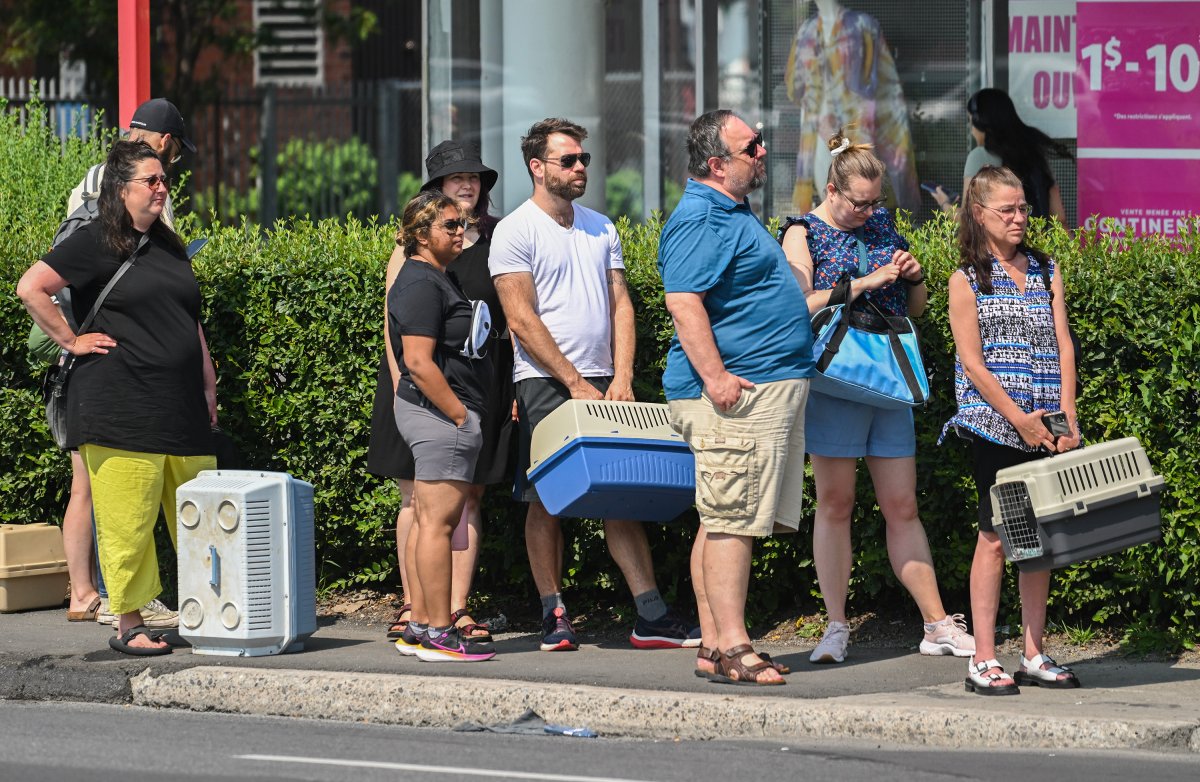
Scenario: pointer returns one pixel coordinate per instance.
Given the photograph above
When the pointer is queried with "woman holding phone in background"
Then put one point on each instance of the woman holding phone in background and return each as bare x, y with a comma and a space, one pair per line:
1002, 139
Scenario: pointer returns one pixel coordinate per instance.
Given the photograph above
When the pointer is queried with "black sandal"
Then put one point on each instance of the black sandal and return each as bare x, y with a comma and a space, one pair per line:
122, 645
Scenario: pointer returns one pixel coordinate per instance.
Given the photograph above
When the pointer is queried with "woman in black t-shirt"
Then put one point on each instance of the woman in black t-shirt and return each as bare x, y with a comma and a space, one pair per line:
142, 393
440, 399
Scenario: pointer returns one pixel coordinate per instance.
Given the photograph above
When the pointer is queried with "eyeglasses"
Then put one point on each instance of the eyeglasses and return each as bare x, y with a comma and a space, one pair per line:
1009, 213
751, 149
862, 207
569, 161
153, 181
177, 152
453, 226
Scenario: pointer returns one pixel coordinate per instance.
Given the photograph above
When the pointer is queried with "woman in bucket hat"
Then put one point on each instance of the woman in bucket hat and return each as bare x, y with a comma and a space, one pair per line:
455, 169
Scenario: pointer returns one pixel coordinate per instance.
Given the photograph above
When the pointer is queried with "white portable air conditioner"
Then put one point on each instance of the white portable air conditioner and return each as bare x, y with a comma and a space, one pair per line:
247, 563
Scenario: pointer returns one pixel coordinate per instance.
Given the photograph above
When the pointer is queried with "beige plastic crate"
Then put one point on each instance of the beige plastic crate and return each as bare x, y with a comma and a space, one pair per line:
33, 567
1077, 505
591, 418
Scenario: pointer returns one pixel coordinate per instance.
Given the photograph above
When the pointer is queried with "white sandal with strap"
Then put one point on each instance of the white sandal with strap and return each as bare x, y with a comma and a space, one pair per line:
979, 681
1031, 672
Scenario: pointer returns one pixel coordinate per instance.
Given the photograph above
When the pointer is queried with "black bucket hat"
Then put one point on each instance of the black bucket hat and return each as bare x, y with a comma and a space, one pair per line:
457, 157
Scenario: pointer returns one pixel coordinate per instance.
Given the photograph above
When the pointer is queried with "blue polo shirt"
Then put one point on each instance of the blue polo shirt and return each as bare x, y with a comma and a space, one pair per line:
716, 246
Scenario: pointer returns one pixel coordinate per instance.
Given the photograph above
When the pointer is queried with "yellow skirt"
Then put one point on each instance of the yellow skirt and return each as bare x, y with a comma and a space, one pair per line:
128, 488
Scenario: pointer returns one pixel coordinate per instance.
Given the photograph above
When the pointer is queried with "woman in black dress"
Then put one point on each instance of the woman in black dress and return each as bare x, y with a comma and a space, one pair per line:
454, 168
142, 394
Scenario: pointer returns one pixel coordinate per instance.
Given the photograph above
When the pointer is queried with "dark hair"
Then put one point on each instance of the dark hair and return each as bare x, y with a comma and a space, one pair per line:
1021, 148
975, 258
419, 216
704, 141
117, 234
856, 160
483, 222
533, 143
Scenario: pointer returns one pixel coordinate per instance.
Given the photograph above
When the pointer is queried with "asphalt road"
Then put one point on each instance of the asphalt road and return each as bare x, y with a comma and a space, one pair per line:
40, 742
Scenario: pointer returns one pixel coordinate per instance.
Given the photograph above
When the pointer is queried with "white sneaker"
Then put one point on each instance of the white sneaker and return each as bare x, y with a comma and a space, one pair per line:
832, 648
155, 616
949, 636
103, 615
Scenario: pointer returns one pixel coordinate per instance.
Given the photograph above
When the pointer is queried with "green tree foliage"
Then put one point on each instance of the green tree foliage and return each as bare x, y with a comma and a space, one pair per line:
181, 32
294, 321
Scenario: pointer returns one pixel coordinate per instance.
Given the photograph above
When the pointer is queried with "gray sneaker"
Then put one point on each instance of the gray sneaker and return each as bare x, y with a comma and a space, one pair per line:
155, 616
832, 648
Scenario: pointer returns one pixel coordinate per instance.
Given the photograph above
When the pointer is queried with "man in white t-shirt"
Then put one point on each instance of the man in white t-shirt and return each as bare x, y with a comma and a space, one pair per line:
560, 276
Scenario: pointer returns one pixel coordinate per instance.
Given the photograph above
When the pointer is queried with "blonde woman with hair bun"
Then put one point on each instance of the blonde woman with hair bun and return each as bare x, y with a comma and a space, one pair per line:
821, 247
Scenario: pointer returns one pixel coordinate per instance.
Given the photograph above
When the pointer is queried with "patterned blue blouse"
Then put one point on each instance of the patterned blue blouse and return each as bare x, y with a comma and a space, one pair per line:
1019, 348
835, 252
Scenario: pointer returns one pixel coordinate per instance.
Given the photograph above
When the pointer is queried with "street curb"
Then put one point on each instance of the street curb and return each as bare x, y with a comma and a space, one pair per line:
393, 699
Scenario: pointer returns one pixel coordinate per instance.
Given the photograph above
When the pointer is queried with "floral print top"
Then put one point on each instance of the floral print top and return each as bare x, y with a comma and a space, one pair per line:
835, 252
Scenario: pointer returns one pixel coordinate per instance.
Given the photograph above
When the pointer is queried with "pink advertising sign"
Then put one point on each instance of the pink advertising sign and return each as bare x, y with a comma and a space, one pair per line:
1138, 107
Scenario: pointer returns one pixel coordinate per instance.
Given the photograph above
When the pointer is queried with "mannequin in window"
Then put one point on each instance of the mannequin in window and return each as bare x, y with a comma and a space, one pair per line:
841, 74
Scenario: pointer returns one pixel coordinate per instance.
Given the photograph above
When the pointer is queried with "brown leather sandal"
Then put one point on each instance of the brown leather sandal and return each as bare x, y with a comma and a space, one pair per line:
713, 656
734, 671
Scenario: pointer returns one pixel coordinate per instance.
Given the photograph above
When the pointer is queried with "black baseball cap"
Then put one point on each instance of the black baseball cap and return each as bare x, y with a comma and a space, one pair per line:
159, 115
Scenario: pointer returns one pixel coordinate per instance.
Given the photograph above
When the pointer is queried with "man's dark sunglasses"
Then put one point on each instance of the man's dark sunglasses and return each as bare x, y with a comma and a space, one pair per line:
752, 148
569, 161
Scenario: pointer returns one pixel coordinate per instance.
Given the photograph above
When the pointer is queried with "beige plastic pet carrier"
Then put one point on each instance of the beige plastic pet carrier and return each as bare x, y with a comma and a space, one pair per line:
1077, 505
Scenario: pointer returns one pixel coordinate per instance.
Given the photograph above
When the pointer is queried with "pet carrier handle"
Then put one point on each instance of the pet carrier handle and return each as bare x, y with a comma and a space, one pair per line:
214, 578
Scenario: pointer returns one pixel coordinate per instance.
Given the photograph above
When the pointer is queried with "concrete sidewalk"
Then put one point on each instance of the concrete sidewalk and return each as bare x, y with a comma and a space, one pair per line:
348, 672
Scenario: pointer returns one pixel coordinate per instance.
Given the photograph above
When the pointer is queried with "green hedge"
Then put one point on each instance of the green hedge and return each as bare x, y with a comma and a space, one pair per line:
293, 321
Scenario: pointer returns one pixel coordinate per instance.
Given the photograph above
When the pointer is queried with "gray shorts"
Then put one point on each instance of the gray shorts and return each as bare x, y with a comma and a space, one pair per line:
538, 397
441, 450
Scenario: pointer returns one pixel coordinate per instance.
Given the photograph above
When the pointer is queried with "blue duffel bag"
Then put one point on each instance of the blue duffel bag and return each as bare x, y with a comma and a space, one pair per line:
867, 355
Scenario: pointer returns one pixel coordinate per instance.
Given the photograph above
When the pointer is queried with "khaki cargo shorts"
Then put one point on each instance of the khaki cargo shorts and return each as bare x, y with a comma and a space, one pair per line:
749, 459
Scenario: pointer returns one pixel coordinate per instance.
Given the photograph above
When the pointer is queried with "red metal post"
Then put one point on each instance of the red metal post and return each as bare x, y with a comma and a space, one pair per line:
133, 60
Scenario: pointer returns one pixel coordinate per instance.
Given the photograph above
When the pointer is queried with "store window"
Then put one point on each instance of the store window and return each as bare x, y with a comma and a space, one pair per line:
895, 75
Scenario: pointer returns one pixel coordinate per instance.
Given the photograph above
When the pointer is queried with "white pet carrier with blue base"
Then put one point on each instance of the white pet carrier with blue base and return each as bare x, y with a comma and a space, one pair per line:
247, 563
1077, 505
612, 460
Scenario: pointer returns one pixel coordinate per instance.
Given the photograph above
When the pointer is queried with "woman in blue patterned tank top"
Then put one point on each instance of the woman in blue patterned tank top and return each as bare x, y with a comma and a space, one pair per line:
821, 247
1014, 363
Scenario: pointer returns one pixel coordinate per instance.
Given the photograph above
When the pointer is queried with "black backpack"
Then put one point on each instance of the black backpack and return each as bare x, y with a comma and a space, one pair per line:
42, 349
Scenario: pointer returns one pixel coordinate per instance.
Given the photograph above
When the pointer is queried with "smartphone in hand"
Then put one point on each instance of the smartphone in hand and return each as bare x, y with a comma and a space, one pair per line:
1057, 423
931, 188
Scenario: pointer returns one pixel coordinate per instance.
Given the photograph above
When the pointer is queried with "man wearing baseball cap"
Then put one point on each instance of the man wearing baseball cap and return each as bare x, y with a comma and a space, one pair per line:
158, 123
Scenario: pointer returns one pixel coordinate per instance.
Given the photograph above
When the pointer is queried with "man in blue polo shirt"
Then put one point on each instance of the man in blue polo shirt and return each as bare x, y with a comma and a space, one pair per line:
736, 381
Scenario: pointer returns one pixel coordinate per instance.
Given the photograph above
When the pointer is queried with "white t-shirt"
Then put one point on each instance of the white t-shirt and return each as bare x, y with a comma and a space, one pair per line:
570, 277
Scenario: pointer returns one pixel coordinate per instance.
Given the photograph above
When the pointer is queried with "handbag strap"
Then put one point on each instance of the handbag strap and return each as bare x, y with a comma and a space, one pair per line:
104, 293
863, 264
